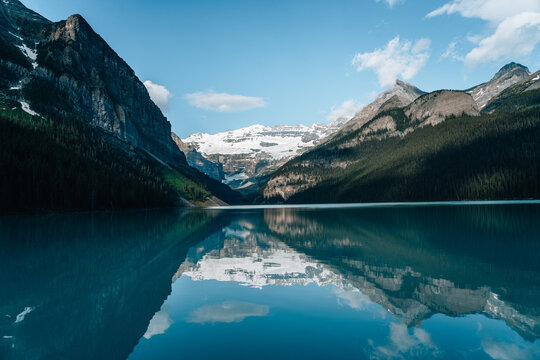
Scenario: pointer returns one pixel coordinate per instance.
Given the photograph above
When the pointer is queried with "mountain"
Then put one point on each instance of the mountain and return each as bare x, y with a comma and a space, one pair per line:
518, 97
402, 94
248, 154
67, 76
439, 147
507, 76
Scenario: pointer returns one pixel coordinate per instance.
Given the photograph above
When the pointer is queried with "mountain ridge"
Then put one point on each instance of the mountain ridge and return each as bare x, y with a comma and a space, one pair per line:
402, 92
507, 76
401, 152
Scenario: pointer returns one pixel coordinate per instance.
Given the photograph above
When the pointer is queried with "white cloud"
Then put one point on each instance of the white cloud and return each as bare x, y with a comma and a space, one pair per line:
353, 298
227, 312
451, 52
404, 345
159, 324
159, 94
390, 3
506, 351
345, 111
223, 102
475, 39
517, 25
514, 37
398, 59
489, 10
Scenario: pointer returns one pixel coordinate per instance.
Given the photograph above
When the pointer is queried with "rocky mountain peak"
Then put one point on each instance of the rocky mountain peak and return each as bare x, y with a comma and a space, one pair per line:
404, 89
511, 68
72, 28
67, 69
402, 94
507, 76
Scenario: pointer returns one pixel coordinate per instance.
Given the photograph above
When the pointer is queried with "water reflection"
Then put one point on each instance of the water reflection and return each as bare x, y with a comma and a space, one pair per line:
415, 264
407, 282
84, 286
421, 261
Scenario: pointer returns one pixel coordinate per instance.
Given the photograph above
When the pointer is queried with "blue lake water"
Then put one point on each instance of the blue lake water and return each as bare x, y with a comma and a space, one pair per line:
448, 281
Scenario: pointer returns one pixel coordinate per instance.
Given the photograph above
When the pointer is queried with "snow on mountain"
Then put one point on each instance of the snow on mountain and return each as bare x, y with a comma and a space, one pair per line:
277, 141
252, 152
29, 53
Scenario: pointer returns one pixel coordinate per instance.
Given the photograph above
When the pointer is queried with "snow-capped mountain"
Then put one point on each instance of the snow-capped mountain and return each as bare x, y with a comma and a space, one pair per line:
254, 151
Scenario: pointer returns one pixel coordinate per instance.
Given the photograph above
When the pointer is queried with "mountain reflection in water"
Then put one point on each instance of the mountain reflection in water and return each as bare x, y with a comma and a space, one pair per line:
385, 282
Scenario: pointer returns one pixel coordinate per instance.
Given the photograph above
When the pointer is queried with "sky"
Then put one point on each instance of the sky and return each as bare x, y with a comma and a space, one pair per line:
214, 65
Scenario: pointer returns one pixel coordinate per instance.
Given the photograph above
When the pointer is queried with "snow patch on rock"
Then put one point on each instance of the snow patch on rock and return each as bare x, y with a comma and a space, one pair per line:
29, 53
26, 108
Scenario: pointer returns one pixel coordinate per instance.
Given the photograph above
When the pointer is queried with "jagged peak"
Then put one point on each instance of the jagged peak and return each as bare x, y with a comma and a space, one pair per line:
400, 84
76, 18
77, 22
509, 68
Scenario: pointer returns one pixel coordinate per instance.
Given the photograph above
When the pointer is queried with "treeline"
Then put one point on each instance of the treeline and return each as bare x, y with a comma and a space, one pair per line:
492, 156
66, 165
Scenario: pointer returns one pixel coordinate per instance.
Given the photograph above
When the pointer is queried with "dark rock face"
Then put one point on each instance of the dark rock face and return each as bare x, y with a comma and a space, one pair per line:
16, 18
198, 161
76, 74
103, 89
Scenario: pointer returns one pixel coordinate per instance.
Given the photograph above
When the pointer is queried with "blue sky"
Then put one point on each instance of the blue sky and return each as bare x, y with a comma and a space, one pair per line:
230, 64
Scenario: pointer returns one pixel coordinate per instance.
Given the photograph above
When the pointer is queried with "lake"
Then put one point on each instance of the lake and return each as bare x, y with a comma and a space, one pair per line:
449, 281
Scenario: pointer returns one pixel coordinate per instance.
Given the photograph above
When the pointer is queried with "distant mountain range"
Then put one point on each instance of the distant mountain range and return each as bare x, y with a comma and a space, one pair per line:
63, 87
248, 154
251, 156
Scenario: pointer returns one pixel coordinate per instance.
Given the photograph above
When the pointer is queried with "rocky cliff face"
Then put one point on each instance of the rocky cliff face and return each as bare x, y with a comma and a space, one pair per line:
66, 69
507, 76
433, 108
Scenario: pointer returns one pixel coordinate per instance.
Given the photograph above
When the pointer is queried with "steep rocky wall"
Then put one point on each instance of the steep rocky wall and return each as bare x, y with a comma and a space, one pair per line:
87, 79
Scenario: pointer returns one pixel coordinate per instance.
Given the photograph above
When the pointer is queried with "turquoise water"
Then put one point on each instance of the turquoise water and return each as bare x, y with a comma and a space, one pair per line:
398, 281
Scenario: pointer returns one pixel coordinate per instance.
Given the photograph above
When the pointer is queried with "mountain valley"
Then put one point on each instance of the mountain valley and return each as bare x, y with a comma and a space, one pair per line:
62, 88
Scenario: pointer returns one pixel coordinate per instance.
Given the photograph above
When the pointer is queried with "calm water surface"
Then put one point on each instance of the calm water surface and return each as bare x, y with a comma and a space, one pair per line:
392, 282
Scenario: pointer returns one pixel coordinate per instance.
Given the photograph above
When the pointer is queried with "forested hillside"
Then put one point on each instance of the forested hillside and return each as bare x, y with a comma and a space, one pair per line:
63, 165
492, 156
